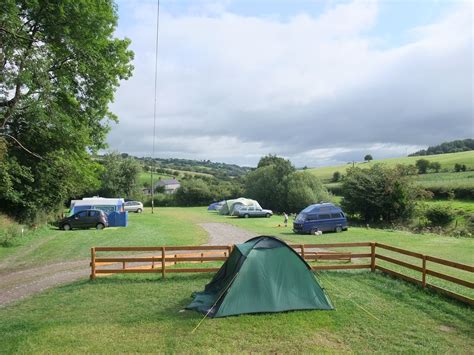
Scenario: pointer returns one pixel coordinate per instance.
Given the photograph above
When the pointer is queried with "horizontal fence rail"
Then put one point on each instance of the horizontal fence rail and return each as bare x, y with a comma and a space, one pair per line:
168, 257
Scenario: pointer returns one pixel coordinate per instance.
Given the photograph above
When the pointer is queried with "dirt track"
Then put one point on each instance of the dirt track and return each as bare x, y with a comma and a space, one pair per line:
20, 284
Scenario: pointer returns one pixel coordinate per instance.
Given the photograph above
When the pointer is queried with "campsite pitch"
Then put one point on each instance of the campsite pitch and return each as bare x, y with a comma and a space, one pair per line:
142, 314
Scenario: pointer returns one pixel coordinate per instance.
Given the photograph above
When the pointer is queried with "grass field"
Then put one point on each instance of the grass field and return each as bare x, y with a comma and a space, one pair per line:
447, 161
136, 313
142, 314
48, 245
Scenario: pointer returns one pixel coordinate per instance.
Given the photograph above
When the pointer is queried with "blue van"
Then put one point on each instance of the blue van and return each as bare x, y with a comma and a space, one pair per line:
322, 217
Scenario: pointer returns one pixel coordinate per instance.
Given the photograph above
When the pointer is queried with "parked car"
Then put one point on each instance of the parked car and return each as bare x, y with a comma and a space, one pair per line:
320, 217
133, 206
85, 219
252, 211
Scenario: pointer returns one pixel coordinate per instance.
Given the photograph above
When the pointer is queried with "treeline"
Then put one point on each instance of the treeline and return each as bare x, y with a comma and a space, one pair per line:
447, 147
275, 184
219, 170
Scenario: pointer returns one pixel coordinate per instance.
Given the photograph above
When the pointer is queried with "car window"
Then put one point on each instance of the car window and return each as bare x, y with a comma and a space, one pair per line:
251, 208
82, 214
94, 213
324, 216
128, 203
336, 215
312, 217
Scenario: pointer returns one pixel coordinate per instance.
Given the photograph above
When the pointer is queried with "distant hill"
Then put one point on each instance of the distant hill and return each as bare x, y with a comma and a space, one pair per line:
198, 167
447, 162
447, 147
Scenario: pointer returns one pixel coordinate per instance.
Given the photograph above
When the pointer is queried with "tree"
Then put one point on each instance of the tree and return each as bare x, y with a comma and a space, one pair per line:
336, 176
269, 182
194, 192
119, 177
435, 166
422, 165
304, 189
368, 158
60, 66
457, 167
378, 194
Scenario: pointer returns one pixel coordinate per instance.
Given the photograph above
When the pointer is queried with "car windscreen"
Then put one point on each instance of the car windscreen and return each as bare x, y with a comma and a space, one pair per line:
308, 209
301, 217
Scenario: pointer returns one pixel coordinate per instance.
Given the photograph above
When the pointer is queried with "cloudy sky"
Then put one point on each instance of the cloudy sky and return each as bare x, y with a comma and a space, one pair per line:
318, 82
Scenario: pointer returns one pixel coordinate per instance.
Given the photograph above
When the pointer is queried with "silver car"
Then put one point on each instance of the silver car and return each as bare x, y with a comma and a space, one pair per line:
133, 206
252, 211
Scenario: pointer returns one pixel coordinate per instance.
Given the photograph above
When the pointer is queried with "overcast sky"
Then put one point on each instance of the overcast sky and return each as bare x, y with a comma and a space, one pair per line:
318, 82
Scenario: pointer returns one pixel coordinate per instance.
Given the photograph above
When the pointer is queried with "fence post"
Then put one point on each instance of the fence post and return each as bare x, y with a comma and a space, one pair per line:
423, 275
372, 256
92, 277
152, 262
163, 257
124, 265
302, 250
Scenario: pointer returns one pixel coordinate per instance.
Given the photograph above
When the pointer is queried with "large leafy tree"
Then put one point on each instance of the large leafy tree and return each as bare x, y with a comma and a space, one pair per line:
120, 176
60, 65
379, 194
269, 182
305, 189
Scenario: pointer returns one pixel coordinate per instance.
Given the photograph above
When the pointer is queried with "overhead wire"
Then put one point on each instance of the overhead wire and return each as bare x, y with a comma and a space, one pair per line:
154, 106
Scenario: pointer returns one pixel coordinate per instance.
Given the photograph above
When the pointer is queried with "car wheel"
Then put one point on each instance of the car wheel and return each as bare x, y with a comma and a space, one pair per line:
139, 210
314, 231
246, 215
99, 226
67, 227
268, 215
338, 229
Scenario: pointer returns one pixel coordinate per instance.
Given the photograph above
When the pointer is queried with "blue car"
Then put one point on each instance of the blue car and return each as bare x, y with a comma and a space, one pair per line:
320, 217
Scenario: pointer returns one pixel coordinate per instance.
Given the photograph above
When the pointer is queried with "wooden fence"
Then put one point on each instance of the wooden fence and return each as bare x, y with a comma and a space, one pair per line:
169, 257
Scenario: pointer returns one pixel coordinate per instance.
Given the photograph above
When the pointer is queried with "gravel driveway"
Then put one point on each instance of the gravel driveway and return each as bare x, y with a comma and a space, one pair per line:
20, 284
225, 234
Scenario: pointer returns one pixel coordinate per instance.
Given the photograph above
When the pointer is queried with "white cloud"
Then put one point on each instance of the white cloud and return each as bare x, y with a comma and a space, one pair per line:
233, 88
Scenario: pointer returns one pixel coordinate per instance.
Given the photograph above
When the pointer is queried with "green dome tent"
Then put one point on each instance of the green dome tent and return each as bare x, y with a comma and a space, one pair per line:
229, 206
261, 275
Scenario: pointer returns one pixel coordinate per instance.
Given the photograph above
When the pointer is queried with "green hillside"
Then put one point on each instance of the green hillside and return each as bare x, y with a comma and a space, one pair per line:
447, 161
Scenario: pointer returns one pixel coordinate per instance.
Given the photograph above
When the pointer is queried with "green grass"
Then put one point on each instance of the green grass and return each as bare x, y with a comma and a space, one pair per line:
49, 245
457, 206
142, 314
447, 161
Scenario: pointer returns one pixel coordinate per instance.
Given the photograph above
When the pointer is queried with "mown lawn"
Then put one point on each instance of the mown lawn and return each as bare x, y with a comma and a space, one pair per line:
49, 245
456, 249
142, 314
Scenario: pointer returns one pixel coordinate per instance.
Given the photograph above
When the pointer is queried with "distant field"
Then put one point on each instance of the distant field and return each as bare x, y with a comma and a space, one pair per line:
146, 178
447, 161
448, 181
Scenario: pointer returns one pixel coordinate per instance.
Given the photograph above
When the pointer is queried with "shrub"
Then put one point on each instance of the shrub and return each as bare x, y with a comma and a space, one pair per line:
439, 216
379, 193
336, 176
10, 235
422, 165
435, 166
